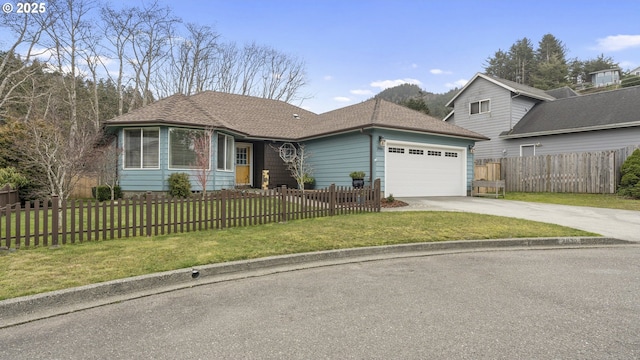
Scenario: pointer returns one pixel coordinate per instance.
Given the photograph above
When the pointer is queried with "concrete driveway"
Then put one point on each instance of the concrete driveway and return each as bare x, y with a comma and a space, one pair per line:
619, 224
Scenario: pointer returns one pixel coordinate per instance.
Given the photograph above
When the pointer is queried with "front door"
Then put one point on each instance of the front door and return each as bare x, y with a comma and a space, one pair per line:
243, 164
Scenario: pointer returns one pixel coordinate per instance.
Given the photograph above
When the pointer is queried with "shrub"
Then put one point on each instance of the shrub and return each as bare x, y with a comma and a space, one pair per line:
390, 198
103, 193
357, 175
12, 177
630, 180
179, 185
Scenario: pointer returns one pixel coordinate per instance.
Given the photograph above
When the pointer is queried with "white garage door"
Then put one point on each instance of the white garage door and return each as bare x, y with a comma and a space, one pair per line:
422, 170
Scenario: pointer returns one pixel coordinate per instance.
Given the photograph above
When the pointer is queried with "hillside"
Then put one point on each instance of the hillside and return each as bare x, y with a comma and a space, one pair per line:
436, 102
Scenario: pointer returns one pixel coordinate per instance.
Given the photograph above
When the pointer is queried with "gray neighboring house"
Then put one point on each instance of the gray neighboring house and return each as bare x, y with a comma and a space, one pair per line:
524, 121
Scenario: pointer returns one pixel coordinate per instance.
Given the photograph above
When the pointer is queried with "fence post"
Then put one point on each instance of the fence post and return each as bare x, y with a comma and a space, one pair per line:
223, 209
377, 197
283, 203
148, 212
55, 220
332, 199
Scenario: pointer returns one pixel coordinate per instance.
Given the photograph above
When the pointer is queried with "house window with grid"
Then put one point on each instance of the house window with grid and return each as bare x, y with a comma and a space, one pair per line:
242, 156
225, 152
141, 148
479, 107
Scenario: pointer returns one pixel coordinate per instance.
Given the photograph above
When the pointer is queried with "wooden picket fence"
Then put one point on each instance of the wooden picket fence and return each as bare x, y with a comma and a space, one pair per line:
54, 222
587, 172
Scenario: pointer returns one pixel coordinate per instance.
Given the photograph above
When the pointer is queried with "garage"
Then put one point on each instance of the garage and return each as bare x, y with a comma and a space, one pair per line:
414, 169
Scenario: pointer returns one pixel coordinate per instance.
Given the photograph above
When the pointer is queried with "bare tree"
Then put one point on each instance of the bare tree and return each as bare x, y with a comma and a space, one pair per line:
190, 60
202, 148
105, 162
154, 28
297, 160
60, 161
16, 61
118, 28
69, 35
226, 67
282, 76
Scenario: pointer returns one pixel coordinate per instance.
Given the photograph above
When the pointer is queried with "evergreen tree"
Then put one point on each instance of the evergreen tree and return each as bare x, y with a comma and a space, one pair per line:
551, 70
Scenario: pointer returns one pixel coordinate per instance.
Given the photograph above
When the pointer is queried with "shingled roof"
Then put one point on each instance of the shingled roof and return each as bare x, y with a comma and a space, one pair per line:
271, 119
604, 110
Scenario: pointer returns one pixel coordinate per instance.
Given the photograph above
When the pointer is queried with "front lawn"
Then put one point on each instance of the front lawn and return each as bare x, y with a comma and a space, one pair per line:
36, 270
610, 201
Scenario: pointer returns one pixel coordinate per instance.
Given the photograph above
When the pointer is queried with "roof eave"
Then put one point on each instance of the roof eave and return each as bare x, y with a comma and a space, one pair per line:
401, 128
570, 131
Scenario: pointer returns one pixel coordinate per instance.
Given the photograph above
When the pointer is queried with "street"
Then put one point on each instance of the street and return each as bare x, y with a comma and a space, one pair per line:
509, 304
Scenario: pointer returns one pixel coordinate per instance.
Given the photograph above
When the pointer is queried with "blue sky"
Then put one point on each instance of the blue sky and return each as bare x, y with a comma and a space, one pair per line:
353, 49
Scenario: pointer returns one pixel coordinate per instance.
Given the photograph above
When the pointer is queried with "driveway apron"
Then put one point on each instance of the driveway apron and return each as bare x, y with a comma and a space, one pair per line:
619, 224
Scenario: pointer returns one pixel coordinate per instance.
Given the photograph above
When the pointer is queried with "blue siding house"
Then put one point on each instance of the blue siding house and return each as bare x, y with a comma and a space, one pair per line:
412, 153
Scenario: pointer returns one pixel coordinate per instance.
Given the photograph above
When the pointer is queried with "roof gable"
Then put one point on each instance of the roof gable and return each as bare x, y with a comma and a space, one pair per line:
512, 86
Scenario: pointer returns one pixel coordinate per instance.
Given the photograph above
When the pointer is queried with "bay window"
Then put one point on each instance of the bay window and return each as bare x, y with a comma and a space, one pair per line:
225, 152
141, 148
188, 149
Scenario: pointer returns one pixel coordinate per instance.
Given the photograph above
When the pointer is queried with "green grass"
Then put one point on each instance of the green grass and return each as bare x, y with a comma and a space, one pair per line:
36, 270
594, 200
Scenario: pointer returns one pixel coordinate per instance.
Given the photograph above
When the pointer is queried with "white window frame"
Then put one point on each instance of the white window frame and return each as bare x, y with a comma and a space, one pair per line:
528, 145
124, 147
188, 167
229, 159
480, 102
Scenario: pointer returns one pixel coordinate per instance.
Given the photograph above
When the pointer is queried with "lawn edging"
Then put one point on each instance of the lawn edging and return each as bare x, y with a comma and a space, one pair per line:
30, 308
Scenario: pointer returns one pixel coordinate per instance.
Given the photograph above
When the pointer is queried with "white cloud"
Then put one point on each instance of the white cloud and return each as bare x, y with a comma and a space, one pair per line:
457, 84
617, 42
385, 84
341, 99
328, 78
439, 72
361, 92
414, 66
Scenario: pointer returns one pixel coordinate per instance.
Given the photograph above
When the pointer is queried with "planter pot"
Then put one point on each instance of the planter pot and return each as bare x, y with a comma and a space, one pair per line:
357, 183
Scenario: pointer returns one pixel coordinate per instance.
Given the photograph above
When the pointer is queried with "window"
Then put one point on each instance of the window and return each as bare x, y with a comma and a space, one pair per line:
527, 150
416, 152
242, 156
141, 148
188, 149
434, 153
451, 154
225, 152
396, 150
479, 107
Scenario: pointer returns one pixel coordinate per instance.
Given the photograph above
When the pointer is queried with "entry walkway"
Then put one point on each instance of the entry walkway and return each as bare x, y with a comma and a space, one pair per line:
619, 224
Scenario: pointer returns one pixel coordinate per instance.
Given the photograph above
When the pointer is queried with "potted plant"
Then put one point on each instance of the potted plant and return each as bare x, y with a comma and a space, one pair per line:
309, 182
357, 179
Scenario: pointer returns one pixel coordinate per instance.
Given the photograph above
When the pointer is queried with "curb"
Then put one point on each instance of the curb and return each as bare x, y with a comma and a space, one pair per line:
34, 307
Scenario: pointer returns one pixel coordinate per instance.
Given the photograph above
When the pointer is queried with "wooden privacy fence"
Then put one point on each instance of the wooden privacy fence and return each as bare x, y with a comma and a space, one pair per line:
8, 196
588, 172
60, 222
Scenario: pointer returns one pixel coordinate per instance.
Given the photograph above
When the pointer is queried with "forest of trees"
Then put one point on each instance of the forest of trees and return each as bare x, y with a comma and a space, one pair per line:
545, 67
68, 69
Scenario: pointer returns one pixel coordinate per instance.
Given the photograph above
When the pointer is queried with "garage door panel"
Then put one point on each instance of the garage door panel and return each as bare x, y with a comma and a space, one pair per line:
424, 171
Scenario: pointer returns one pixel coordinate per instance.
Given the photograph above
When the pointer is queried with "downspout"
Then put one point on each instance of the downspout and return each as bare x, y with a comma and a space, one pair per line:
370, 154
374, 116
